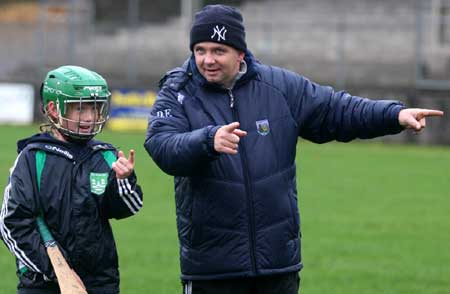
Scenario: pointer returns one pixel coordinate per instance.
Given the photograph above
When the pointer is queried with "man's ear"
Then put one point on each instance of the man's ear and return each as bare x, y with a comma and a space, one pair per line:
241, 56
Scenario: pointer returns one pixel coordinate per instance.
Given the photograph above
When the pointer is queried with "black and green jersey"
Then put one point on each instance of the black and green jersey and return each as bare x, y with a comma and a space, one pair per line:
75, 190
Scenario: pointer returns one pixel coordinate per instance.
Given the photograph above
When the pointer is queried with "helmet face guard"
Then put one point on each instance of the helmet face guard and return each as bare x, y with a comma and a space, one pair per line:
74, 126
81, 98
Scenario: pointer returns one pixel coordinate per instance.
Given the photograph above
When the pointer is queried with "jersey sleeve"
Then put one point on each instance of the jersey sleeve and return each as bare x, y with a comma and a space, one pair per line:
123, 197
18, 216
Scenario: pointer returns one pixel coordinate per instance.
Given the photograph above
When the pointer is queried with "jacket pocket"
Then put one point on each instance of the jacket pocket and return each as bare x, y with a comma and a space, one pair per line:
197, 217
290, 178
295, 215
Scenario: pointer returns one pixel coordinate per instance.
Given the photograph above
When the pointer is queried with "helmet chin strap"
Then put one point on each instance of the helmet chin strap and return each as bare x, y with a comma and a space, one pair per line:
60, 134
77, 140
57, 134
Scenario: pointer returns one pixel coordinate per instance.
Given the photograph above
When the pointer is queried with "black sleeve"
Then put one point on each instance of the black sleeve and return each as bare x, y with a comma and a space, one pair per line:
18, 217
123, 197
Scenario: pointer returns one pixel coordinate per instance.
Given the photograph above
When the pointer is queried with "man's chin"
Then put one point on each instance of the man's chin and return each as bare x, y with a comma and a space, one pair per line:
213, 79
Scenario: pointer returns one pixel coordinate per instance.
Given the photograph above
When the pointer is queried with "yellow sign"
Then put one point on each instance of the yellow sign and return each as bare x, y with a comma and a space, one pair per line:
133, 98
130, 109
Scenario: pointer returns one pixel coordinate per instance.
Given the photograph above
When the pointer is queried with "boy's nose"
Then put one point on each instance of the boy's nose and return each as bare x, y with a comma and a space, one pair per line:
88, 115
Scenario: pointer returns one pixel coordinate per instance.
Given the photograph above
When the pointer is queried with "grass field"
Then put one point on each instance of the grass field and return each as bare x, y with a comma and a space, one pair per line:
375, 219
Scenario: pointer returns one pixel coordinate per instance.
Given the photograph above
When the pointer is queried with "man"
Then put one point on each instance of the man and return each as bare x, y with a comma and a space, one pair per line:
75, 182
226, 126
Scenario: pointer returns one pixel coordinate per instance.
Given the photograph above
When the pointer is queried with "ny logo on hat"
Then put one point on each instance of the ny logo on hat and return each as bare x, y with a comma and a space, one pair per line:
220, 33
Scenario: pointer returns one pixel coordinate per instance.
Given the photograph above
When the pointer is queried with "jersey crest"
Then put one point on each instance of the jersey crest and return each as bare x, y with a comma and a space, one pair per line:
262, 126
98, 182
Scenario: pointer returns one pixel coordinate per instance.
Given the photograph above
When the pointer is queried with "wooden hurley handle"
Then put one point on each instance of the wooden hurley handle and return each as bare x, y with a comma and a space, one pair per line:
68, 280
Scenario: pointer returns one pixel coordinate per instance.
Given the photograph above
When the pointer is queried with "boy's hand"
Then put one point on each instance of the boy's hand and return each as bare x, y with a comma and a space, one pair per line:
123, 166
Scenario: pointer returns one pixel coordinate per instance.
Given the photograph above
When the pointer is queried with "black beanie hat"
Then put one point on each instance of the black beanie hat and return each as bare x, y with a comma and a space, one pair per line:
220, 24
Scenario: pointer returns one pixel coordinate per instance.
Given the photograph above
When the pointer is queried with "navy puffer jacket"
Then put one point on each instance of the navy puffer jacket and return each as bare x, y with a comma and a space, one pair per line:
237, 215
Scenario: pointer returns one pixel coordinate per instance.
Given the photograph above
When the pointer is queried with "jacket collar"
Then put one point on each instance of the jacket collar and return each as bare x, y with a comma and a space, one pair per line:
46, 141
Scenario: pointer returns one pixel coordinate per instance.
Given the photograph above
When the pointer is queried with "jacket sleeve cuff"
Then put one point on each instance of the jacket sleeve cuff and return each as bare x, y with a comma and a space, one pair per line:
395, 124
211, 133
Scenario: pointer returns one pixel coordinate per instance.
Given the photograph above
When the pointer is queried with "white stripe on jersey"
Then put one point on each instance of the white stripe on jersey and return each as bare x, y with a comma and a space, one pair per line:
6, 233
129, 196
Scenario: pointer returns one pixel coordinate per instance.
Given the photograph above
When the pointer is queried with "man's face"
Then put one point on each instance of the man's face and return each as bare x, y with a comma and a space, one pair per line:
218, 63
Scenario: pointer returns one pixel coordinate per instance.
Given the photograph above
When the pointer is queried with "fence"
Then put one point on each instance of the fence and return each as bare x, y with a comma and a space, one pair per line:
401, 47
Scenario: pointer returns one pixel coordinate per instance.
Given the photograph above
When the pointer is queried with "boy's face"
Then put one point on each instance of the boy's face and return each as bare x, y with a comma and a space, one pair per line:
81, 117
81, 120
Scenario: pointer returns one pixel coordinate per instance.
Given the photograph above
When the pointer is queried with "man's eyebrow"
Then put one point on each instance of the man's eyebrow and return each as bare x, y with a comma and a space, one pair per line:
211, 47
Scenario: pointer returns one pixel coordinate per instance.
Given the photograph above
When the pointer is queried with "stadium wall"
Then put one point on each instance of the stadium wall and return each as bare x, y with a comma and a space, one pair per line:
368, 47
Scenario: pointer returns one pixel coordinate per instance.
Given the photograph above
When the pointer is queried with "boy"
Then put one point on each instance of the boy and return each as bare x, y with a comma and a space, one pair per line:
74, 182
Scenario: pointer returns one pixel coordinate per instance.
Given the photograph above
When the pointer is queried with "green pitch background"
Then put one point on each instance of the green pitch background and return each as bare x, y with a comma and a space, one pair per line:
375, 219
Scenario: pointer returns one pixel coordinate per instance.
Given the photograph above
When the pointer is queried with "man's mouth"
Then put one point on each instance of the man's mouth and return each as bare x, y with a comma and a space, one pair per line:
212, 71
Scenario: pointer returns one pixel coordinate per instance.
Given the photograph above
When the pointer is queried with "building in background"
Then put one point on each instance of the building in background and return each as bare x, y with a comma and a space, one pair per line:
379, 49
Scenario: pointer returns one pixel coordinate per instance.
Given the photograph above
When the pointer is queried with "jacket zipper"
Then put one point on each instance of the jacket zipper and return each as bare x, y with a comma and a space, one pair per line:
76, 166
248, 188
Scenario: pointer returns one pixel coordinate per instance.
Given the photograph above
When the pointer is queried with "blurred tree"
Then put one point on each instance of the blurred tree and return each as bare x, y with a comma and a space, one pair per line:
227, 2
149, 11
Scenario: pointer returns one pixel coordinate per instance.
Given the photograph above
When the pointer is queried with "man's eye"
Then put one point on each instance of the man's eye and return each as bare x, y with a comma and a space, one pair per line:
220, 51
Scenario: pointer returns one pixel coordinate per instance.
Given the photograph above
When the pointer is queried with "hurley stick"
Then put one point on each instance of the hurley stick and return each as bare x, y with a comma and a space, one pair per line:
68, 280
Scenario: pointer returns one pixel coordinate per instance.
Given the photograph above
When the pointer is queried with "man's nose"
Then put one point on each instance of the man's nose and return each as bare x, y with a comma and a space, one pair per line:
209, 58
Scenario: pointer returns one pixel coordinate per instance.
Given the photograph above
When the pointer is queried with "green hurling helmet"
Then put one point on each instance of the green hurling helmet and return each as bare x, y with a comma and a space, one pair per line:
81, 98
